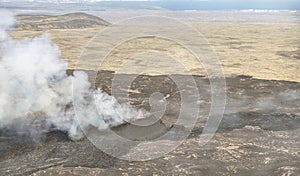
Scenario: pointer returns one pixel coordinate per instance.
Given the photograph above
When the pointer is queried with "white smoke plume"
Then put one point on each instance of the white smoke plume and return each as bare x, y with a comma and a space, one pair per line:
37, 95
6, 22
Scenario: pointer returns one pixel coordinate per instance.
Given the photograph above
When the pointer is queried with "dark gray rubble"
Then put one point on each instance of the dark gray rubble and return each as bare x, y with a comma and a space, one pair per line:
259, 135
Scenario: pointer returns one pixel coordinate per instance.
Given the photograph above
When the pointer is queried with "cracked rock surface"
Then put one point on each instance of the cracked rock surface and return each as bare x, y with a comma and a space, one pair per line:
258, 135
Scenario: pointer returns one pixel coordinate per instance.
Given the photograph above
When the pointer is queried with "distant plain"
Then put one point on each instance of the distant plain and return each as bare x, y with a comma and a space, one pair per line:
262, 50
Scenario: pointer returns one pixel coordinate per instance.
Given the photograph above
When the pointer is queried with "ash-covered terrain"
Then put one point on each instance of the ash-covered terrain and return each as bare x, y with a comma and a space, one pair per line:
251, 139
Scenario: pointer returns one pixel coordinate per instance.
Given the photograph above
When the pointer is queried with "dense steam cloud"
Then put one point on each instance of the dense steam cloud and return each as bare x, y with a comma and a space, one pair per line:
6, 22
37, 96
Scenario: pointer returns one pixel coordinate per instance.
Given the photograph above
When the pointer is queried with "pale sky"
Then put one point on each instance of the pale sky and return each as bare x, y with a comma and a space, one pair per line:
195, 4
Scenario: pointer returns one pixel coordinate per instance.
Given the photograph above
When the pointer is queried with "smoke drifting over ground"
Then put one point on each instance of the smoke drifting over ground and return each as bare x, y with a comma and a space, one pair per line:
37, 96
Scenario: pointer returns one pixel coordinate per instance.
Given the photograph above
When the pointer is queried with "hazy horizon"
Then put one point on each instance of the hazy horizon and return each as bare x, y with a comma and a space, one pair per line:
176, 4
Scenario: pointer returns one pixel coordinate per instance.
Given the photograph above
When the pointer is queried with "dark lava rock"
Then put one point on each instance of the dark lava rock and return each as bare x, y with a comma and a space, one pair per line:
259, 135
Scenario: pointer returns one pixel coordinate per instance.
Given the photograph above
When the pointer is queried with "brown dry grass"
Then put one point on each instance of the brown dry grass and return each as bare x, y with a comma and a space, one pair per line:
266, 51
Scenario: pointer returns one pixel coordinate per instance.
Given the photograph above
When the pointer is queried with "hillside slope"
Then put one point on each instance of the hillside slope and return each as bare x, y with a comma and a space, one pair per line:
67, 21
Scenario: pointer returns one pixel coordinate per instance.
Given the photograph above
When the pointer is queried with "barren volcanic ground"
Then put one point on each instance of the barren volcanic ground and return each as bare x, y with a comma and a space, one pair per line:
259, 134
250, 140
